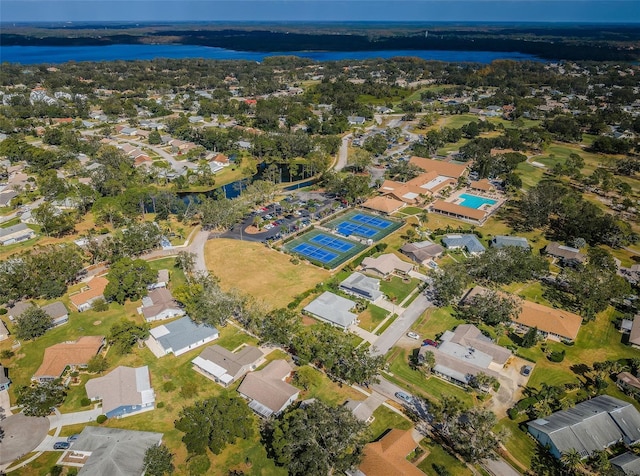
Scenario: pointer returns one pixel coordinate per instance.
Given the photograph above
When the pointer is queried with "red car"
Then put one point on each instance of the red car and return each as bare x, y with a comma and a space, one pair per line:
430, 342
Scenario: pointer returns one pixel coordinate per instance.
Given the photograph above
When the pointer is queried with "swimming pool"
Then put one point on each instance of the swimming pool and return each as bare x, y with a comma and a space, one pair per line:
474, 201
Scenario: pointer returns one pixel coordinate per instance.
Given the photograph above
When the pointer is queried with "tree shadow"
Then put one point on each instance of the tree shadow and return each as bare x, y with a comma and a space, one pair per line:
580, 369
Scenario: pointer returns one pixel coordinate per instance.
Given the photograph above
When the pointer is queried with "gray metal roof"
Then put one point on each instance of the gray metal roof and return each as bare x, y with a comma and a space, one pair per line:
114, 452
362, 285
469, 242
182, 333
501, 241
627, 462
591, 425
10, 230
332, 308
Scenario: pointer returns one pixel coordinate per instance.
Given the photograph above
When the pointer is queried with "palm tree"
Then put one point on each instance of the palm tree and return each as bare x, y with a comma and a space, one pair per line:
572, 459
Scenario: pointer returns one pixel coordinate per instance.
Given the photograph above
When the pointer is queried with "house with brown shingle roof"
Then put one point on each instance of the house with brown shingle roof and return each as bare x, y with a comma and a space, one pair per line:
441, 167
74, 354
388, 456
159, 305
458, 211
386, 265
267, 390
482, 185
92, 291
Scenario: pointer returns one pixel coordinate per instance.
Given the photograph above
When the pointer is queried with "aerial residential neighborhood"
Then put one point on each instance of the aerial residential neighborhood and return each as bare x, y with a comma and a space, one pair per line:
290, 266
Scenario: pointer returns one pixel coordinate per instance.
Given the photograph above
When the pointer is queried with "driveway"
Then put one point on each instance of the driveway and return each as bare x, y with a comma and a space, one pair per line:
5, 404
65, 419
512, 382
401, 325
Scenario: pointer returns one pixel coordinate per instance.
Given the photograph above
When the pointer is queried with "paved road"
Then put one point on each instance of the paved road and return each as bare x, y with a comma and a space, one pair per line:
401, 325
197, 247
499, 467
64, 419
343, 152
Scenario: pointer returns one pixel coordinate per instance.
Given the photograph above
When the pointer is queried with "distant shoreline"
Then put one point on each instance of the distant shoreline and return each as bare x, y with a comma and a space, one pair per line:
589, 42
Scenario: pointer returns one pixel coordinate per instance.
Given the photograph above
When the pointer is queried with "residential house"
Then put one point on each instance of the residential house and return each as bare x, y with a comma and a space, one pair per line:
159, 305
384, 204
15, 234
634, 335
423, 251
463, 354
101, 451
385, 265
4, 332
221, 160
267, 390
628, 382
162, 281
58, 313
94, 290
565, 255
225, 367
6, 197
628, 464
73, 354
501, 241
180, 336
469, 243
124, 391
363, 409
590, 426
442, 168
356, 120
5, 381
361, 286
551, 323
388, 455
333, 309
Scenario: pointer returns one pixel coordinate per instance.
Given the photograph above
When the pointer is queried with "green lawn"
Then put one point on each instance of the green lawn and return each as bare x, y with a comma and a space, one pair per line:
372, 317
386, 324
438, 456
7, 224
435, 321
518, 443
417, 383
397, 288
176, 275
385, 419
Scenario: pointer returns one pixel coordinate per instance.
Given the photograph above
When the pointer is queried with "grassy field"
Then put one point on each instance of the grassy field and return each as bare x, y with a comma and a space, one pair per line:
397, 288
438, 456
371, 317
385, 419
260, 272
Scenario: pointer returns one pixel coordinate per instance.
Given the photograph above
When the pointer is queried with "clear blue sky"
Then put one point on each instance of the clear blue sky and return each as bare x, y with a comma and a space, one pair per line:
615, 11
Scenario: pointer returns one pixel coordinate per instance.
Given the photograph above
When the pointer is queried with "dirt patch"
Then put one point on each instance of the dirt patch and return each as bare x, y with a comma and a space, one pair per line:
97, 323
308, 321
253, 230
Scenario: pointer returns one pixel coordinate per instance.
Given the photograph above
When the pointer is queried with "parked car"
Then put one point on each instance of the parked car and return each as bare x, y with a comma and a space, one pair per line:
430, 342
526, 370
61, 445
413, 335
404, 396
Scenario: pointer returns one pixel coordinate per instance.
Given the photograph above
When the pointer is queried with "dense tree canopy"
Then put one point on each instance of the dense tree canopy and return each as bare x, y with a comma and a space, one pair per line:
32, 323
39, 400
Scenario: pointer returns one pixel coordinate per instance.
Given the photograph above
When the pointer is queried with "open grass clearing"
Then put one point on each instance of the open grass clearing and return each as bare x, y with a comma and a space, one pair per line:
385, 419
397, 289
371, 317
258, 271
438, 456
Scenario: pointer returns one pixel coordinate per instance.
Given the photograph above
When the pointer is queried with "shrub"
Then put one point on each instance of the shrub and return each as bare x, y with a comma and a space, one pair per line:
3, 311
100, 305
513, 413
160, 405
168, 386
85, 402
556, 356
101, 419
55, 471
440, 470
7, 354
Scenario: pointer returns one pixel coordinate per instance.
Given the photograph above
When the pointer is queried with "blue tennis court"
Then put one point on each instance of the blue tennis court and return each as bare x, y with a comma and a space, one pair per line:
315, 253
348, 228
333, 243
371, 220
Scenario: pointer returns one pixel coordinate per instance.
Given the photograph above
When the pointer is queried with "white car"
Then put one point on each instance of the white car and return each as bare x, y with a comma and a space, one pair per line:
413, 335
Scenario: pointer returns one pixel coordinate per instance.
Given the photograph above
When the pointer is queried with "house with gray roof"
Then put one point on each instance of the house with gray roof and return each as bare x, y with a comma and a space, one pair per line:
332, 309
464, 353
502, 241
101, 451
565, 255
359, 285
57, 311
592, 425
423, 251
386, 265
124, 391
225, 367
180, 336
267, 390
159, 305
4, 332
627, 463
469, 243
5, 381
6, 197
15, 234
356, 120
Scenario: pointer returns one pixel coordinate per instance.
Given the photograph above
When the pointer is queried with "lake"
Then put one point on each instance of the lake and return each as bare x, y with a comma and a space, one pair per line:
63, 54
